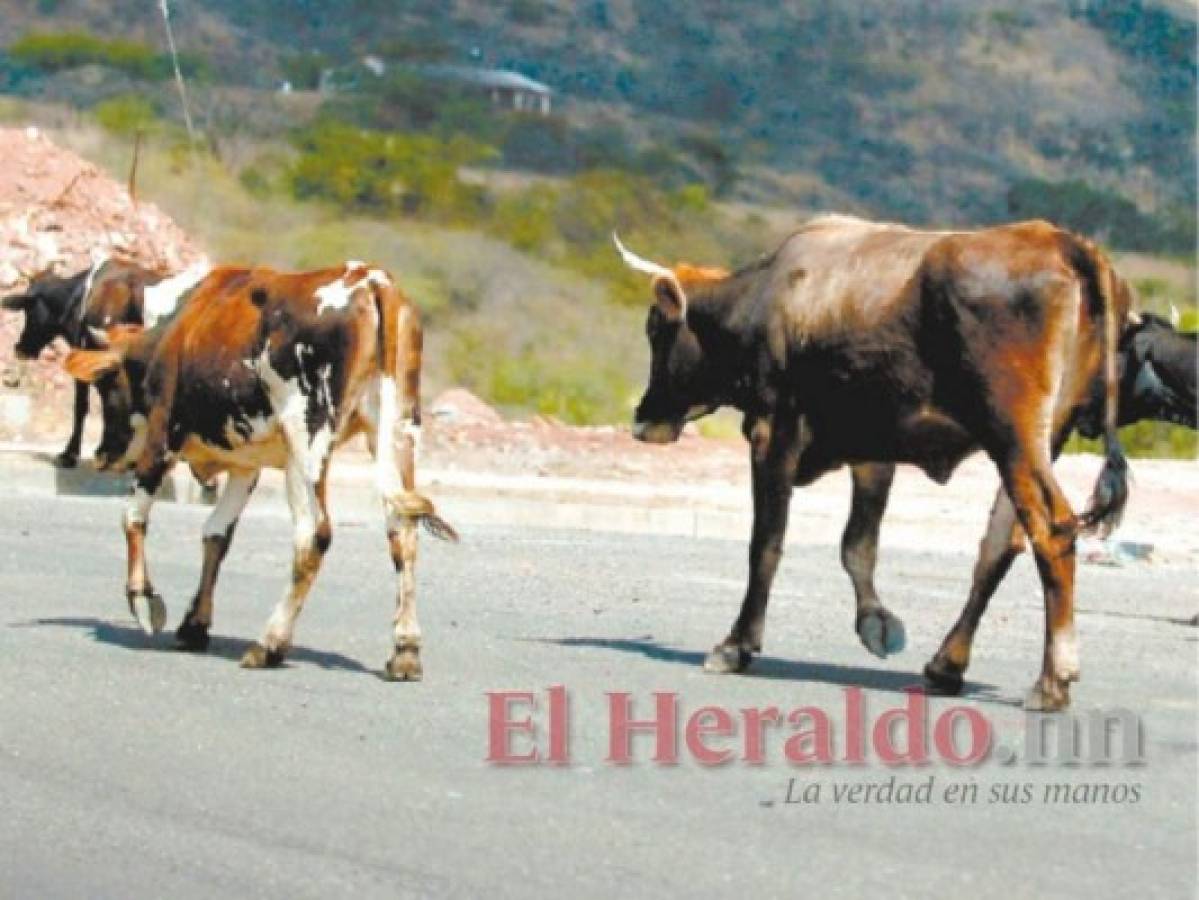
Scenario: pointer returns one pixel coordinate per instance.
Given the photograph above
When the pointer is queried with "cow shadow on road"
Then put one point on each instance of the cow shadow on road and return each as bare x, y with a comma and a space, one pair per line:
130, 638
775, 668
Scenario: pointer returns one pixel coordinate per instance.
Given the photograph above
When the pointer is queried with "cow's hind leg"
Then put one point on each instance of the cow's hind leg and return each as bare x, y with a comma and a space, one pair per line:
70, 454
404, 663
881, 632
1050, 524
403, 509
192, 633
313, 534
1003, 541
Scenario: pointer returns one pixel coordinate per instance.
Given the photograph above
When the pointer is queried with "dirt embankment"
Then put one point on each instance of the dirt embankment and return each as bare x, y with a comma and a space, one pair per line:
57, 212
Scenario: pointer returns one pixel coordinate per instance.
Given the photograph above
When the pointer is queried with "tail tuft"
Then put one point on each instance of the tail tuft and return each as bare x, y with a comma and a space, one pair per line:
439, 528
1106, 509
411, 505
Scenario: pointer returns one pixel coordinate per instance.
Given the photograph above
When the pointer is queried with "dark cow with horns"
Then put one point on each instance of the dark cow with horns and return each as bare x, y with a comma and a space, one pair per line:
1157, 371
267, 369
109, 292
860, 342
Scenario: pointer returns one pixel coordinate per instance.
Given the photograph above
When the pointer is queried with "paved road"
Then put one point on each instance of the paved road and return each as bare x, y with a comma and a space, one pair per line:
130, 770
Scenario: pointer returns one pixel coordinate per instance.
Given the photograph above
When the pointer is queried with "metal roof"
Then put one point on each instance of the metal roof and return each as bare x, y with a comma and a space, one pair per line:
491, 78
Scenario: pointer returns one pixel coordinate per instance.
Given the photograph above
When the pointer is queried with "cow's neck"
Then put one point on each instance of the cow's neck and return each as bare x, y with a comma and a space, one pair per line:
724, 317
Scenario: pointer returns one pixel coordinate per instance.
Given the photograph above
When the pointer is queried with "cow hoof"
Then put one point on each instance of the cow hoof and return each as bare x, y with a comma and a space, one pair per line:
1048, 695
404, 665
66, 460
727, 658
881, 632
258, 657
192, 636
943, 677
149, 611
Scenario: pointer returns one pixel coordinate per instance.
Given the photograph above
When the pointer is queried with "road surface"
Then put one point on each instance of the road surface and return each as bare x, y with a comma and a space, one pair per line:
130, 770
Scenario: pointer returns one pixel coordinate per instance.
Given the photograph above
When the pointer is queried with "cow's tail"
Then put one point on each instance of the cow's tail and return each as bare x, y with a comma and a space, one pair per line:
1109, 301
399, 362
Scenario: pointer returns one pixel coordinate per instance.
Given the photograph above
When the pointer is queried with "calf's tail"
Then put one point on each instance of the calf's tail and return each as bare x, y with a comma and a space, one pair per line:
1110, 299
400, 340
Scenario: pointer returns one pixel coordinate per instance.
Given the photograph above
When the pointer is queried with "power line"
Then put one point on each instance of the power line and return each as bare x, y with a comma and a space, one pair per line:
187, 116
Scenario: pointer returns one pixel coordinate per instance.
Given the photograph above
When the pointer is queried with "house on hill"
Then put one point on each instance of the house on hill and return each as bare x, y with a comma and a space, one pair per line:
505, 89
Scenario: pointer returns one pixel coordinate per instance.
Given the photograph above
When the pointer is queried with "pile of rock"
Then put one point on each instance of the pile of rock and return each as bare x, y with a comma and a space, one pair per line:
58, 212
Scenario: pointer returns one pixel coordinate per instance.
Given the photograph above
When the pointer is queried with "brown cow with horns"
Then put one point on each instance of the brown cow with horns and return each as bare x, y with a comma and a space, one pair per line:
858, 342
267, 369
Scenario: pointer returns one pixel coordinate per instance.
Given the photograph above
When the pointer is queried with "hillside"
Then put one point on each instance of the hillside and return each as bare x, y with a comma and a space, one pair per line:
923, 110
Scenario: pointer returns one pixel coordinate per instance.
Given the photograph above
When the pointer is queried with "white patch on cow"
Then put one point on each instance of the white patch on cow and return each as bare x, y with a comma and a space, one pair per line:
411, 430
386, 478
228, 509
137, 510
290, 402
163, 298
337, 294
107, 321
137, 442
98, 261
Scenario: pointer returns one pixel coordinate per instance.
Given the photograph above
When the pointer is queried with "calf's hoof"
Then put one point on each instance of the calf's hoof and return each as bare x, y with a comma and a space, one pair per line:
259, 657
192, 636
66, 460
881, 632
943, 676
149, 611
404, 665
1048, 695
727, 658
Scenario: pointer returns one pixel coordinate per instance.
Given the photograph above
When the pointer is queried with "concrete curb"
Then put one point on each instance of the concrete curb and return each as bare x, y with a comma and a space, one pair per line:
464, 498
921, 517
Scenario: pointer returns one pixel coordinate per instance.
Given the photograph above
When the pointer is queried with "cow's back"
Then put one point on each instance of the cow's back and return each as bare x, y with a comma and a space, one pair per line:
840, 274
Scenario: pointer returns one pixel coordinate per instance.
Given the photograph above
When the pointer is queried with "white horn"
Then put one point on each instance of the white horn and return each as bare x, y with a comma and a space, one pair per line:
99, 337
1175, 316
633, 261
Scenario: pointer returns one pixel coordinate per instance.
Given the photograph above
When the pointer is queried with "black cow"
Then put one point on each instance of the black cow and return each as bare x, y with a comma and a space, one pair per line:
107, 293
858, 342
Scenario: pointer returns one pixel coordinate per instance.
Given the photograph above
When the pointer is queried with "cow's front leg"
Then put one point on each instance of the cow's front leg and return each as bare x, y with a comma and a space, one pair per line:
144, 602
70, 454
774, 450
192, 633
880, 632
313, 534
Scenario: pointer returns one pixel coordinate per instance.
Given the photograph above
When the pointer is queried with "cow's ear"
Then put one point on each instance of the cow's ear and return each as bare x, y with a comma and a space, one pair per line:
16, 302
91, 365
670, 297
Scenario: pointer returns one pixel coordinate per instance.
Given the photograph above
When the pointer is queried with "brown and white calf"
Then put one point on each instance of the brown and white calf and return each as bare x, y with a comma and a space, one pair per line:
264, 369
859, 342
108, 292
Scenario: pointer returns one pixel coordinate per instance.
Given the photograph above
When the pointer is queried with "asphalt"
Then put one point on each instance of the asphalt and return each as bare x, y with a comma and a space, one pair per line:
128, 769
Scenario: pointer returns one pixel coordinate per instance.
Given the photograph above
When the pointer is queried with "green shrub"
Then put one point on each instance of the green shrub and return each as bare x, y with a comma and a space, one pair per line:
56, 51
126, 114
385, 172
580, 390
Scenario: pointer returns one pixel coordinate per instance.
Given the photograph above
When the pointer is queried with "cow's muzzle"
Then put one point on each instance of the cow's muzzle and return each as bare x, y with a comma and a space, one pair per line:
657, 432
